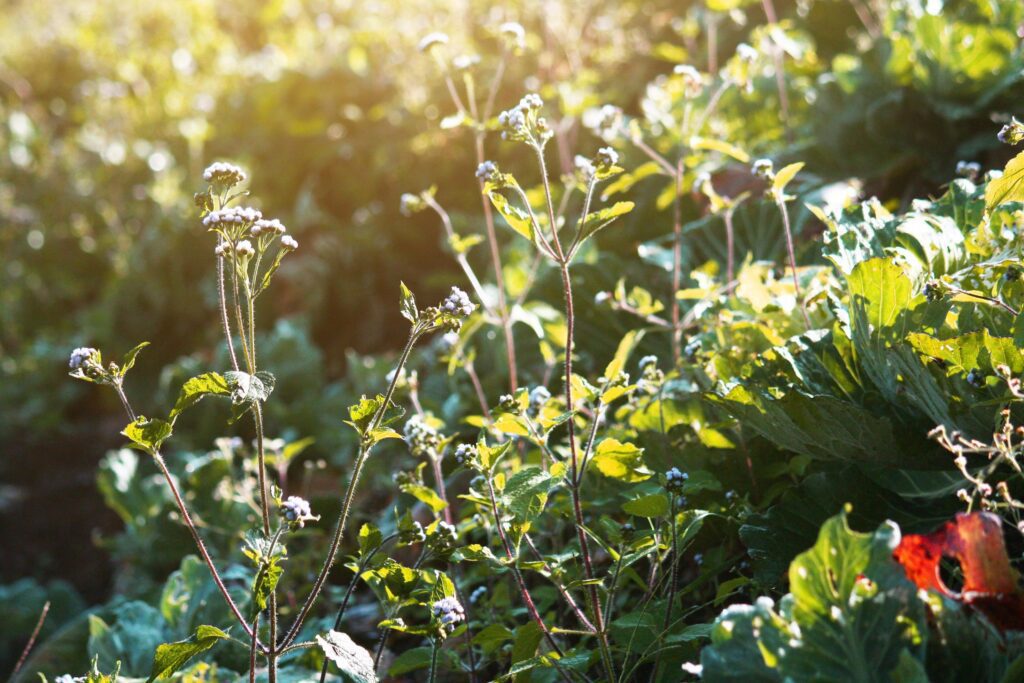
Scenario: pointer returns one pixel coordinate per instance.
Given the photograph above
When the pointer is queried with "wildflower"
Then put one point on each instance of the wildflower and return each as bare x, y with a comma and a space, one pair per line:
448, 611
488, 171
412, 534
465, 453
763, 168
514, 34
67, 678
290, 243
602, 297
976, 378
531, 101
606, 121
1012, 133
235, 216
463, 62
432, 40
421, 436
411, 203
538, 397
297, 511
647, 361
692, 348
82, 356
223, 249
968, 169
606, 157
244, 249
508, 403
272, 226
444, 538
523, 123
457, 303
693, 81
223, 174
746, 53
584, 168
674, 479
478, 593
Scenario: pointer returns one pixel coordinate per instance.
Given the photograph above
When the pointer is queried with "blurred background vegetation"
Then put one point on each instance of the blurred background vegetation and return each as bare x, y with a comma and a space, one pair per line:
109, 111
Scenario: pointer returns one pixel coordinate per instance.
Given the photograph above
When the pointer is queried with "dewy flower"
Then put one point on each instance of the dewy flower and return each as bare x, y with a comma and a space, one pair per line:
448, 611
297, 511
432, 40
244, 249
289, 242
223, 174
457, 303
1012, 133
81, 356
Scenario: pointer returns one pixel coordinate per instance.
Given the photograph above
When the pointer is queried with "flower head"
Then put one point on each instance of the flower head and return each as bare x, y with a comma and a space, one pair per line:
421, 436
606, 157
488, 171
647, 361
538, 397
463, 62
432, 40
297, 511
746, 53
223, 174
244, 249
478, 593
81, 356
290, 243
1012, 133
693, 81
457, 303
523, 122
465, 453
267, 227
514, 34
585, 168
763, 167
968, 169
674, 479
232, 217
411, 203
448, 612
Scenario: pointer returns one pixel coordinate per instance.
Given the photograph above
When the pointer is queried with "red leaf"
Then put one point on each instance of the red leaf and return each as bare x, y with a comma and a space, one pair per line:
975, 541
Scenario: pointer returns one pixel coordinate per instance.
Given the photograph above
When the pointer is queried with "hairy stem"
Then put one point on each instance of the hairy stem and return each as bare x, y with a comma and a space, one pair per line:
780, 202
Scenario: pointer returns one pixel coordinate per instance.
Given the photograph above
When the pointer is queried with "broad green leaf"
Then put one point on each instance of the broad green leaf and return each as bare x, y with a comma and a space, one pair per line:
493, 636
601, 218
1009, 187
370, 538
193, 390
407, 304
651, 505
246, 388
490, 455
353, 661
411, 660
264, 583
171, 657
623, 461
517, 219
426, 495
720, 146
148, 434
526, 492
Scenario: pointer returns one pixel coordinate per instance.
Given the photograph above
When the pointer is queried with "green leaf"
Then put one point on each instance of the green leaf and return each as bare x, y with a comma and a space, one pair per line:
407, 304
490, 455
720, 146
597, 220
1009, 187
170, 657
148, 434
411, 660
517, 219
246, 388
425, 495
493, 636
362, 414
625, 348
783, 178
353, 661
370, 538
264, 583
128, 362
651, 505
623, 461
526, 492
195, 389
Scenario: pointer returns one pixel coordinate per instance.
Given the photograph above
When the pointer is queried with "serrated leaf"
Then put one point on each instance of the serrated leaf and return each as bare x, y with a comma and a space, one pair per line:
171, 657
196, 388
407, 304
147, 434
526, 492
596, 220
353, 661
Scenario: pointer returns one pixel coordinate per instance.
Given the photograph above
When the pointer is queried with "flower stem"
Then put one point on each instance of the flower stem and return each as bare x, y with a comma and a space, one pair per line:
780, 202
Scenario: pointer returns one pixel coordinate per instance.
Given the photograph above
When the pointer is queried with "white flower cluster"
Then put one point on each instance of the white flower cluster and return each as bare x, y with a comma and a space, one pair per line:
232, 216
538, 397
297, 510
968, 169
80, 356
432, 40
448, 611
487, 171
606, 157
514, 34
421, 436
244, 249
457, 303
674, 479
465, 453
693, 81
463, 62
264, 226
763, 168
223, 173
289, 242
522, 122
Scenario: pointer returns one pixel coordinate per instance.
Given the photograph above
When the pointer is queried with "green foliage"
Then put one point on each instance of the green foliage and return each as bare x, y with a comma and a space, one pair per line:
171, 657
